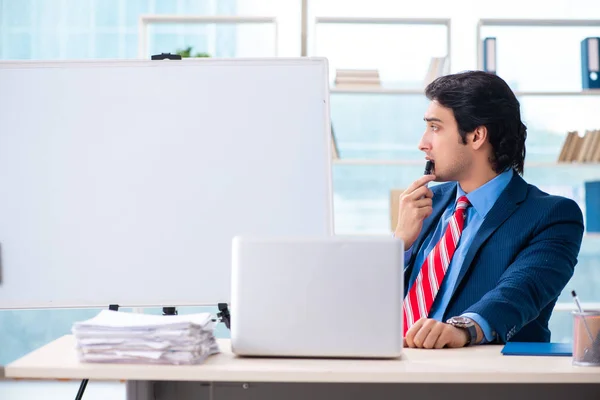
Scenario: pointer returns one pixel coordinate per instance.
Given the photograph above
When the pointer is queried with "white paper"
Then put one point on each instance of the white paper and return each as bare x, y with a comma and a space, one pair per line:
108, 319
121, 337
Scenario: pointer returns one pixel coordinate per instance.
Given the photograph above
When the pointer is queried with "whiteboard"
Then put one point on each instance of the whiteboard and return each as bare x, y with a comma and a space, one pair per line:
124, 182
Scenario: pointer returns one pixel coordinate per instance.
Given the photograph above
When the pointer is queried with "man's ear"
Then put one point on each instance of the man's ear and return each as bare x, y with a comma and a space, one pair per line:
479, 137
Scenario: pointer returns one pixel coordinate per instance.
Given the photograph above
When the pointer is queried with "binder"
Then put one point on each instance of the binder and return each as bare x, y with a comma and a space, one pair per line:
590, 63
592, 206
537, 349
489, 55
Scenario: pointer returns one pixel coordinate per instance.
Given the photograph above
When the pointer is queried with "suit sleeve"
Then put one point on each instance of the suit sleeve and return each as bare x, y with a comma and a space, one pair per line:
538, 274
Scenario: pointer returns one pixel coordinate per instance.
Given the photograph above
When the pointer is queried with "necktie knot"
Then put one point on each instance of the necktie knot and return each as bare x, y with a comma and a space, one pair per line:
462, 203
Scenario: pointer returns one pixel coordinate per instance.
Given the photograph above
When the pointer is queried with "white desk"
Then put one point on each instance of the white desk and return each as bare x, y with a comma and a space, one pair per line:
482, 370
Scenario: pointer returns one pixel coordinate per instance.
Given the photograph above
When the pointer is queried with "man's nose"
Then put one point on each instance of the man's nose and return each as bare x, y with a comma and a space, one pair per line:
424, 143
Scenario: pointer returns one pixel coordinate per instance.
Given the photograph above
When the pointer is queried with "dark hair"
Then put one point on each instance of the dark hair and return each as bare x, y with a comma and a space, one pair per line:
479, 98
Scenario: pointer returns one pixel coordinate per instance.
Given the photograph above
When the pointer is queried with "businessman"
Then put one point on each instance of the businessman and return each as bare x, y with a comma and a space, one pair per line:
487, 254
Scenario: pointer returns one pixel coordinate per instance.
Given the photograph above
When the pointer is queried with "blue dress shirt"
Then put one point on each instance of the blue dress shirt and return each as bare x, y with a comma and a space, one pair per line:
482, 199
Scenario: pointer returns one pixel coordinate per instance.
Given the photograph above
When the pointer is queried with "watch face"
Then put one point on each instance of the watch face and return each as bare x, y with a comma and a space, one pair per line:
460, 321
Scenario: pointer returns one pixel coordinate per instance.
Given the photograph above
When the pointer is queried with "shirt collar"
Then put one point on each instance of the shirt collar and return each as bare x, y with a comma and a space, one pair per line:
483, 198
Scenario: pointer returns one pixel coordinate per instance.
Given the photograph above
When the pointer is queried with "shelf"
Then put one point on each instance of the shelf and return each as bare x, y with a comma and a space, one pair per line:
540, 22
375, 90
208, 19
358, 162
400, 91
589, 92
391, 21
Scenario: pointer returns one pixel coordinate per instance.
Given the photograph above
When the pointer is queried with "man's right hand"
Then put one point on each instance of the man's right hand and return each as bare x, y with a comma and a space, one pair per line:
415, 206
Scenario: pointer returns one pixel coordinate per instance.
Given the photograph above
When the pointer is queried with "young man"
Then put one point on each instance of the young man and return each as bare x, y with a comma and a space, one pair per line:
487, 254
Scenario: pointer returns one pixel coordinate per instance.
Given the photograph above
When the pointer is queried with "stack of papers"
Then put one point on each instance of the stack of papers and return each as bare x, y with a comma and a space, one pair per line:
121, 337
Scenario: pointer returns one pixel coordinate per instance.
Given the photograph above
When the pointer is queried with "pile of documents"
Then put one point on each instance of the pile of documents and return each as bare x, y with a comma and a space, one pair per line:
122, 337
357, 77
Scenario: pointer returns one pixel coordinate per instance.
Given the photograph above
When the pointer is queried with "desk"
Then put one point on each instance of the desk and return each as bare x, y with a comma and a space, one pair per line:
474, 372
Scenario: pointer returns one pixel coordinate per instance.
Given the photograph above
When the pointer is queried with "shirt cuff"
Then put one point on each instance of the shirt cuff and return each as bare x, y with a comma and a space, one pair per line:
483, 324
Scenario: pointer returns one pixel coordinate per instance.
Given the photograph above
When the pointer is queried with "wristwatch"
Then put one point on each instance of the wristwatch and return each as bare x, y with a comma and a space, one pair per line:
466, 324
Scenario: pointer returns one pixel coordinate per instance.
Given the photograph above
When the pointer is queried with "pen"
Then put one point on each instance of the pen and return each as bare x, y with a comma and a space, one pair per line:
587, 328
428, 170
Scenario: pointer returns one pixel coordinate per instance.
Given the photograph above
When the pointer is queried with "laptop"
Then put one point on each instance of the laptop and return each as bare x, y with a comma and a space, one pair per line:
336, 297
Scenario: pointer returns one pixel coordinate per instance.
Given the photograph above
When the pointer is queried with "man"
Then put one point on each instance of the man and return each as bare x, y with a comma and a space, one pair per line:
487, 254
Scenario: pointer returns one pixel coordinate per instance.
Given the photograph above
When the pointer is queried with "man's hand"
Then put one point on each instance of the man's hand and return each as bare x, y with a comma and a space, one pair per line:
432, 334
415, 205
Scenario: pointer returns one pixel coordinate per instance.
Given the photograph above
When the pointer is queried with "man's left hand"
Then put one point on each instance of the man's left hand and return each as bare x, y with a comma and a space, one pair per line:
431, 334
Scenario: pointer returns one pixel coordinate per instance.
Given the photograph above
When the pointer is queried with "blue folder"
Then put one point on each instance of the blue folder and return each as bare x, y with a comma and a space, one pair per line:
537, 349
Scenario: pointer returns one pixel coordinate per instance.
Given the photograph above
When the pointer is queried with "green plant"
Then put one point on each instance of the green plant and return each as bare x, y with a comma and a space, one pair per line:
187, 52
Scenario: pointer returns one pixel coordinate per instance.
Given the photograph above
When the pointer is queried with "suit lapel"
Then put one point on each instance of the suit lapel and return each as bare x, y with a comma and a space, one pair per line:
504, 207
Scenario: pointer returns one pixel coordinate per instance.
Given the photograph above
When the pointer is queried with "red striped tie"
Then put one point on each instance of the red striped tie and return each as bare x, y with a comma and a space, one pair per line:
420, 297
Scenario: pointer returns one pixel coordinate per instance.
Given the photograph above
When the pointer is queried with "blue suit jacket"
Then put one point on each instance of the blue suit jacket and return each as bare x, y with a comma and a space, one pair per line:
520, 260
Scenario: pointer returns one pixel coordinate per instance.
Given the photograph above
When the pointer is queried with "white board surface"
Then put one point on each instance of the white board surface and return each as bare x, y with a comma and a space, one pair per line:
123, 182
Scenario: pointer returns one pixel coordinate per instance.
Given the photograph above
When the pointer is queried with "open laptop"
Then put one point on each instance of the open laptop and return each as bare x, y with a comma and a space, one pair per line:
317, 297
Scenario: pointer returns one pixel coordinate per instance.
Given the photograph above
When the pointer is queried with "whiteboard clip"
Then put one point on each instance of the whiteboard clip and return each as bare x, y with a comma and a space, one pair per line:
166, 56
170, 311
224, 315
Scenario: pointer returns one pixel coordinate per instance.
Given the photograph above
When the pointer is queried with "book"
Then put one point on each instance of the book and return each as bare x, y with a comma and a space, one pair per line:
437, 68
585, 146
590, 63
562, 157
574, 148
353, 77
537, 349
489, 55
594, 145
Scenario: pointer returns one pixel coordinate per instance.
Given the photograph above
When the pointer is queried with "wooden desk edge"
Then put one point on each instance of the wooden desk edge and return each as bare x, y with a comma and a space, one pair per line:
214, 371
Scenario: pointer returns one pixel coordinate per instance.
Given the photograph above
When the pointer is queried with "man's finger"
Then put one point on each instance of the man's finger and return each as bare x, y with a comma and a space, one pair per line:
424, 212
419, 182
420, 192
425, 202
433, 336
420, 336
410, 334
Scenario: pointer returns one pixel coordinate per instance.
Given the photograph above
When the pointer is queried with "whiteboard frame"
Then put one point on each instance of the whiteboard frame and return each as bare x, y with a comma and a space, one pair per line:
86, 63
